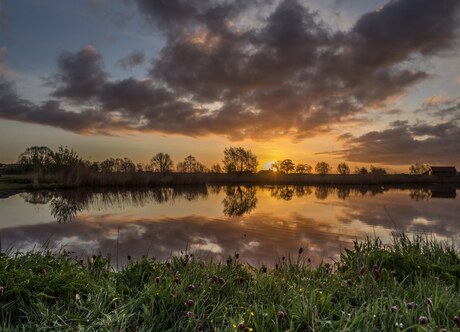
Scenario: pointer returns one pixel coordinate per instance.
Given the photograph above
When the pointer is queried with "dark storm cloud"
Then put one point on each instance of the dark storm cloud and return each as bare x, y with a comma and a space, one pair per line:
402, 28
136, 58
12, 107
288, 74
80, 75
406, 144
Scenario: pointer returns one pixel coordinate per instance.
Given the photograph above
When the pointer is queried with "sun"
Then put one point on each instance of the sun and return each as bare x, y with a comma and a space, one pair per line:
268, 164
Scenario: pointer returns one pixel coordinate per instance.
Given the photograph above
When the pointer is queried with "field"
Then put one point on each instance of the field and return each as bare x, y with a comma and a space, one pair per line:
410, 285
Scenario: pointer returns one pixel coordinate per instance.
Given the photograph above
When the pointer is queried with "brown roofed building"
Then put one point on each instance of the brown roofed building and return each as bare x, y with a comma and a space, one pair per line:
443, 170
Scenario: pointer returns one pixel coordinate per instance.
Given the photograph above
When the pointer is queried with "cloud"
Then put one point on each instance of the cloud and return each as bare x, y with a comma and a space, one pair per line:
80, 75
403, 143
441, 107
50, 113
136, 58
288, 74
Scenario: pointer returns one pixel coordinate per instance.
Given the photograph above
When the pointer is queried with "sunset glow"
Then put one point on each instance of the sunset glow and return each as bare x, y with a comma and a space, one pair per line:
305, 80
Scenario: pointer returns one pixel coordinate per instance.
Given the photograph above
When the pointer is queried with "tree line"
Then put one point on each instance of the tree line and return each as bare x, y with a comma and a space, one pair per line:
236, 160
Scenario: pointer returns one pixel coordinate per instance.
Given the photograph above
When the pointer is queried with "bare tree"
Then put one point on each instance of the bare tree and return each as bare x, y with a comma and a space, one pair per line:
39, 157
238, 159
361, 170
303, 169
378, 170
322, 168
191, 165
343, 168
287, 166
216, 168
161, 163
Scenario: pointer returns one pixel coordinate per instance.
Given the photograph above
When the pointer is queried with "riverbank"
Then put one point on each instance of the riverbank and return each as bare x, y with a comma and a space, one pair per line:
410, 285
147, 179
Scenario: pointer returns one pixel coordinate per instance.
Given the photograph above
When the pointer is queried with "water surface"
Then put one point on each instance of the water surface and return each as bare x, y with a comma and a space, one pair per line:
260, 223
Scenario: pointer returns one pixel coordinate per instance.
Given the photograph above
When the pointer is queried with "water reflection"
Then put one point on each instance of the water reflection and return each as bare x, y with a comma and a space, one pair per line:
239, 200
261, 223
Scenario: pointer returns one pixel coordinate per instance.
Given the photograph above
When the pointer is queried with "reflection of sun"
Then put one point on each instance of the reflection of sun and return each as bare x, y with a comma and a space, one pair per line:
268, 164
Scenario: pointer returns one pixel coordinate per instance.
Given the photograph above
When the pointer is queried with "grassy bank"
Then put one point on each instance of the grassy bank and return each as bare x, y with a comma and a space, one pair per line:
412, 285
82, 178
25, 182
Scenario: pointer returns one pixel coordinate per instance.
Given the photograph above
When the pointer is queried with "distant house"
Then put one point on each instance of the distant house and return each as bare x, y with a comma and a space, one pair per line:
443, 170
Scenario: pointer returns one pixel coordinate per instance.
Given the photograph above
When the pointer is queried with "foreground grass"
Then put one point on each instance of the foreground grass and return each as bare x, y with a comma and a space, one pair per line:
412, 285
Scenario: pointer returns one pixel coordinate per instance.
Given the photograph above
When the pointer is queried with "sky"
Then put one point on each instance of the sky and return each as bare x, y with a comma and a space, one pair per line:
362, 81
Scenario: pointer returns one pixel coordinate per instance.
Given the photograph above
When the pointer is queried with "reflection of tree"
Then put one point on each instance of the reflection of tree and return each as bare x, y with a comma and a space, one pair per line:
287, 192
214, 189
65, 205
420, 194
162, 195
239, 200
343, 192
368, 190
191, 193
322, 192
37, 197
282, 192
65, 209
302, 191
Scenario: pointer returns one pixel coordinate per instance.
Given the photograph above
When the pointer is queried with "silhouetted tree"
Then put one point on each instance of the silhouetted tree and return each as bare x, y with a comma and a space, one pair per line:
322, 168
38, 157
191, 165
216, 168
125, 165
287, 166
303, 169
378, 170
93, 166
275, 166
361, 170
343, 168
419, 168
161, 163
108, 165
65, 158
238, 159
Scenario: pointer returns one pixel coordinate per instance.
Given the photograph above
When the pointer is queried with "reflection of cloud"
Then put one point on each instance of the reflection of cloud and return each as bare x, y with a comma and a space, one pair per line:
402, 213
259, 238
323, 225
